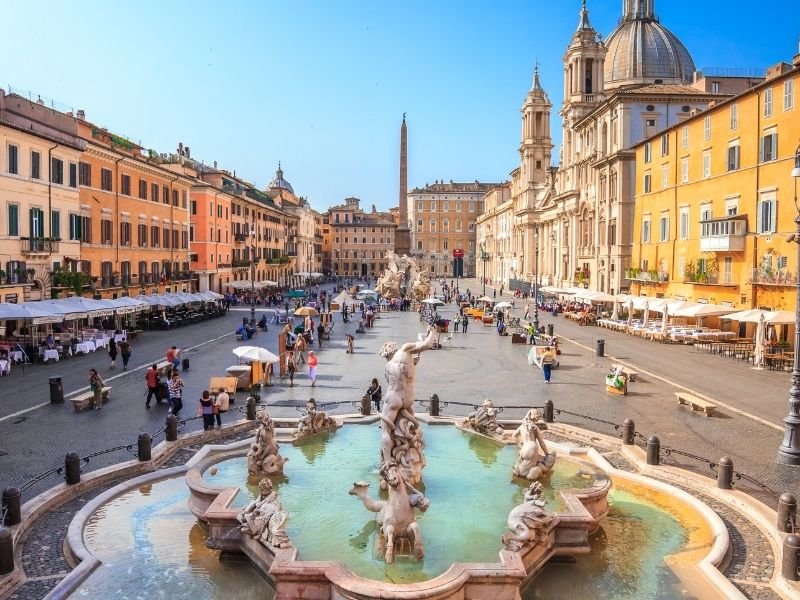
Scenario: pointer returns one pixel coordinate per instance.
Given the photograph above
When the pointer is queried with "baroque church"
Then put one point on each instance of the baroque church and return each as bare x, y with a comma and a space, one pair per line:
572, 224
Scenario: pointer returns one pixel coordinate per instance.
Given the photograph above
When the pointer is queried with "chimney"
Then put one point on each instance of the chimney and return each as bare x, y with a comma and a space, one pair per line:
215, 164
188, 155
81, 115
180, 148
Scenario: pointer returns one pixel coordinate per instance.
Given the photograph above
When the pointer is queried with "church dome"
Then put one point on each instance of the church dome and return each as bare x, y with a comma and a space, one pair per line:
641, 50
279, 183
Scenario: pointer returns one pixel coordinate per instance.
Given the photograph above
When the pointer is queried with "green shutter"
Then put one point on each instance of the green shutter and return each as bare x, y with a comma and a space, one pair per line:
13, 219
55, 224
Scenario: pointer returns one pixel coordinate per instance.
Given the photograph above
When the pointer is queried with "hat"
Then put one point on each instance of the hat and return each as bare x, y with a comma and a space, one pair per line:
311, 352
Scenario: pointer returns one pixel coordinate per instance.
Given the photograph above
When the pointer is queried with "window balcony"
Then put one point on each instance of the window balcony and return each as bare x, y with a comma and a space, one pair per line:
716, 280
725, 234
770, 277
647, 277
239, 237
39, 245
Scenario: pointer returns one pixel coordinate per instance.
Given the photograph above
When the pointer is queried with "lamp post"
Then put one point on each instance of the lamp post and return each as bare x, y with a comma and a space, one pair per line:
536, 278
484, 258
789, 451
253, 277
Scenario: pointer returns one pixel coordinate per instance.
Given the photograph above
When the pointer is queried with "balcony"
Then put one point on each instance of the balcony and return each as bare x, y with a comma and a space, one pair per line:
725, 234
647, 277
705, 279
239, 237
768, 277
240, 264
37, 245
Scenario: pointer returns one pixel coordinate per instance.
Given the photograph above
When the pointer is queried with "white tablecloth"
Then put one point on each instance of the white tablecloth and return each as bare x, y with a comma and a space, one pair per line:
5, 367
85, 347
16, 355
51, 355
101, 342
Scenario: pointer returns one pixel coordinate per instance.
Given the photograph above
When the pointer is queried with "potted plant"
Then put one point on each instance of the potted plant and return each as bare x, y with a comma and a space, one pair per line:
31, 273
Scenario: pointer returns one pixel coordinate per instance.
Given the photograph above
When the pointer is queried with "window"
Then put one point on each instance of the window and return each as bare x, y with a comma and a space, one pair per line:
648, 153
685, 136
13, 159
154, 192
664, 177
126, 185
125, 233
706, 165
36, 164
734, 116
647, 183
445, 244
174, 197
766, 215
165, 238
85, 174
142, 189
663, 228
705, 212
55, 224
646, 231
433, 225
707, 128
106, 232
433, 205
769, 147
684, 224
788, 94
458, 224
445, 206
419, 205
142, 236
155, 237
74, 227
684, 170
73, 175
446, 226
471, 207
86, 230
768, 102
419, 244
13, 219
419, 225
57, 170
36, 223
165, 195
105, 180
733, 157
664, 144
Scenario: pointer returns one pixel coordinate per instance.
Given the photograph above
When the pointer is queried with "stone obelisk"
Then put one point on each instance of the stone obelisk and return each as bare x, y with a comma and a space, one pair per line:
402, 238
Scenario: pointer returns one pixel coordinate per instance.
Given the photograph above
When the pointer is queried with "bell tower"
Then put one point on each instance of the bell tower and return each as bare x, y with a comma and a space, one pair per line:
536, 145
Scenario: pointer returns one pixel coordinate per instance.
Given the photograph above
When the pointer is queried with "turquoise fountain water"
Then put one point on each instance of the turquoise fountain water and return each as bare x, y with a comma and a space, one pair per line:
151, 544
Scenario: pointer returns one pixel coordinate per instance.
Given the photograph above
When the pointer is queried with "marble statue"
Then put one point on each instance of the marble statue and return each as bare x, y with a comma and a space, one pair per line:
401, 438
264, 518
533, 458
421, 286
396, 517
264, 458
484, 420
313, 421
527, 521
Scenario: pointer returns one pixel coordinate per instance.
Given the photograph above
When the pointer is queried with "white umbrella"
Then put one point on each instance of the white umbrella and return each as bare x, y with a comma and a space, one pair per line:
752, 315
592, 297
435, 301
503, 305
28, 313
485, 299
703, 310
646, 318
758, 351
258, 353
779, 317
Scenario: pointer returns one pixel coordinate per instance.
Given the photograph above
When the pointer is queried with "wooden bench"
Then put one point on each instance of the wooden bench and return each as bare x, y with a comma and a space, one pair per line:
164, 368
84, 400
629, 373
696, 403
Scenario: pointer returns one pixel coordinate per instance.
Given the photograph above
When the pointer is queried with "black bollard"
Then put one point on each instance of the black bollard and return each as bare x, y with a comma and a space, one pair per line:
628, 430
250, 404
433, 407
72, 468
548, 411
725, 473
6, 551
365, 405
791, 557
787, 513
600, 349
12, 504
653, 450
171, 434
145, 447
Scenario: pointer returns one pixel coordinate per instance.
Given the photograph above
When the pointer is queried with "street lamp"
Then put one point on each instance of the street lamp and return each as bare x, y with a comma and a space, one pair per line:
484, 258
536, 278
789, 451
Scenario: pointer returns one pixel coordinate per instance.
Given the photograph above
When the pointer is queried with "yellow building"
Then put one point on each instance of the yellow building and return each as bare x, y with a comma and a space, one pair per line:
715, 201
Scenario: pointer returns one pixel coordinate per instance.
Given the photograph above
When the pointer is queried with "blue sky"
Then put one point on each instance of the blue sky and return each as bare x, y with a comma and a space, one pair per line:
322, 86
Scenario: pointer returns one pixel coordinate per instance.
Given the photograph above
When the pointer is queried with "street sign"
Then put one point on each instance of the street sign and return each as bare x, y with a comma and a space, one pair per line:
458, 253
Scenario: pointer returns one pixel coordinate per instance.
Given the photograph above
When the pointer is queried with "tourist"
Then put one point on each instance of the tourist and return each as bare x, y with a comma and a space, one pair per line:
112, 352
153, 382
456, 323
548, 360
206, 410
527, 312
125, 351
312, 367
173, 357
375, 394
300, 349
96, 385
349, 343
320, 333
291, 367
175, 387
464, 324
222, 403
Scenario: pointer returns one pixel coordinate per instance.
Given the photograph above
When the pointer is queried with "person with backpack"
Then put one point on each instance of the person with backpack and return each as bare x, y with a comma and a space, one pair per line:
375, 394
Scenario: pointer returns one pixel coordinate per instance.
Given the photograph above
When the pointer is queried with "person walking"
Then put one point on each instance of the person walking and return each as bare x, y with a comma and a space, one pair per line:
548, 360
96, 385
375, 394
222, 403
125, 351
349, 343
153, 382
206, 410
175, 394
527, 312
173, 357
300, 349
456, 323
320, 333
112, 352
464, 324
291, 367
312, 367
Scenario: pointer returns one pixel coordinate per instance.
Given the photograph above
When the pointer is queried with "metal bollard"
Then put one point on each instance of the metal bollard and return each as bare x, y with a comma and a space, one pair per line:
787, 513
600, 349
72, 468
791, 557
12, 503
6, 551
725, 473
433, 407
548, 411
653, 450
171, 434
365, 405
250, 404
145, 449
628, 430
